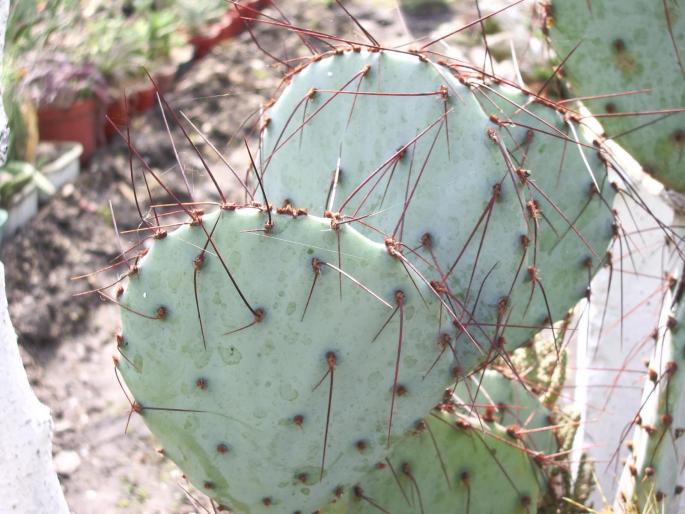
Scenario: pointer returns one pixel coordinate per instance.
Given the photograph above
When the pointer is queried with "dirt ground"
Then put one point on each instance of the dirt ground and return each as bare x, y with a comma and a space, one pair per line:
67, 340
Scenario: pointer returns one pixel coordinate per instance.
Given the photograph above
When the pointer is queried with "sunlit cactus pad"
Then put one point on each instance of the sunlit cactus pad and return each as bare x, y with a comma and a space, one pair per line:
396, 142
255, 436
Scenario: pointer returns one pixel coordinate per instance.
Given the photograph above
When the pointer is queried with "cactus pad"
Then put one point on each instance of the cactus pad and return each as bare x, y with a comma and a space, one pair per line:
243, 402
635, 47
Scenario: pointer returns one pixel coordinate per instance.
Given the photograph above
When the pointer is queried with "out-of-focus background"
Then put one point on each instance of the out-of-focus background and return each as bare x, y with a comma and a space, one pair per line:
67, 206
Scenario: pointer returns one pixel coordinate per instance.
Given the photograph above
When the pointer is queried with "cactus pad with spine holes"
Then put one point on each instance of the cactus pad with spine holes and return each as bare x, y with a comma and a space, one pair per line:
483, 470
626, 46
244, 443
569, 183
348, 115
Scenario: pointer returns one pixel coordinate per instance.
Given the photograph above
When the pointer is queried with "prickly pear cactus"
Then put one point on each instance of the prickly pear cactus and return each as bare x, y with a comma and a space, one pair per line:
396, 142
650, 478
629, 57
263, 385
569, 198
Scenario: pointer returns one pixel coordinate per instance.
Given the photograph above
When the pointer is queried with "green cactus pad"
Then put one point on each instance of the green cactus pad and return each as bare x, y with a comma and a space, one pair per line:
569, 184
332, 143
626, 46
511, 405
652, 478
449, 465
255, 437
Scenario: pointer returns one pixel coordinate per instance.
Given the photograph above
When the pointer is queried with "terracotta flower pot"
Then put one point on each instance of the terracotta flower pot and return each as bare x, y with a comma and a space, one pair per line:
165, 79
232, 23
117, 111
81, 122
203, 43
144, 98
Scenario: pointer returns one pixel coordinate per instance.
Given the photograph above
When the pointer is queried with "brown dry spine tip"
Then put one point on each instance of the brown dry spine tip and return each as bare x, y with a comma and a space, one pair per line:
419, 426
532, 208
303, 477
356, 48
650, 429
678, 136
159, 234
587, 262
221, 448
443, 91
532, 273
464, 477
208, 485
120, 340
630, 446
266, 501
201, 383
338, 491
638, 420
671, 367
161, 312
610, 108
649, 471
265, 123
427, 241
632, 469
133, 271
120, 291
525, 500
360, 445
400, 390
298, 420
525, 241
380, 465
659, 496
455, 372
161, 451
678, 490
653, 375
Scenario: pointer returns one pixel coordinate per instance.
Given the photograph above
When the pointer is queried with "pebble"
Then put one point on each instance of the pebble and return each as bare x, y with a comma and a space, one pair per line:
66, 462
